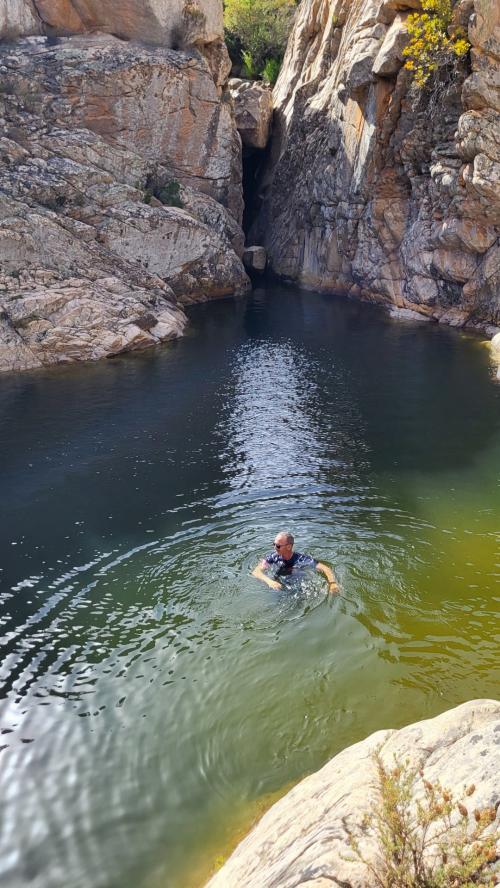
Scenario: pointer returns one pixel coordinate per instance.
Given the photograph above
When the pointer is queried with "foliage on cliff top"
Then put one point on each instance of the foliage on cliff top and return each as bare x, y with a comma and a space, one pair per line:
426, 838
258, 28
434, 41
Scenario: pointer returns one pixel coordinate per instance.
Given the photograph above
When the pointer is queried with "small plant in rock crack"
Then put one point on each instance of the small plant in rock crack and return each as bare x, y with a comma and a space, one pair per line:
168, 193
426, 838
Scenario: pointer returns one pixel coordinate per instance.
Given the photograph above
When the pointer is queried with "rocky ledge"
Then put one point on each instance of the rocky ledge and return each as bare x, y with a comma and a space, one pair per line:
304, 838
120, 196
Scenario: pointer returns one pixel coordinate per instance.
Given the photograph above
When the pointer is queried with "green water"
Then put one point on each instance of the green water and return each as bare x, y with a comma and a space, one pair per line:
154, 695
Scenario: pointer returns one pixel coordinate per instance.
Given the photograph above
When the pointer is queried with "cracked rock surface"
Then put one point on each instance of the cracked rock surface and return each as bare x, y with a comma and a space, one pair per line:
120, 197
372, 189
303, 838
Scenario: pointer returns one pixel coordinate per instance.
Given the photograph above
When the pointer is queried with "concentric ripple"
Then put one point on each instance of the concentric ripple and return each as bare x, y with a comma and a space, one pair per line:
152, 692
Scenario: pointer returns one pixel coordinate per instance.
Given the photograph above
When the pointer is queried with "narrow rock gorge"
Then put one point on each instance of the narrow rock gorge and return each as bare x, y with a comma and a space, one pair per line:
374, 189
121, 185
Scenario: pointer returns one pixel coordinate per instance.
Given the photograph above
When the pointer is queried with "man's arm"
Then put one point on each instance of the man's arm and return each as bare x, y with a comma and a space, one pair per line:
258, 573
333, 586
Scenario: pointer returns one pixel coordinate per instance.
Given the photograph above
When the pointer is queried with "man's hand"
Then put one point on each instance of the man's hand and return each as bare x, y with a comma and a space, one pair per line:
334, 588
258, 572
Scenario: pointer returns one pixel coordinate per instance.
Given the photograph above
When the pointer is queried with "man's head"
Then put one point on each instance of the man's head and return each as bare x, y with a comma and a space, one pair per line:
283, 544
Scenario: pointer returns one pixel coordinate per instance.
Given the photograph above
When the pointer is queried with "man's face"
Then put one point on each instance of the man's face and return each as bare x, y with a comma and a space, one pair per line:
281, 547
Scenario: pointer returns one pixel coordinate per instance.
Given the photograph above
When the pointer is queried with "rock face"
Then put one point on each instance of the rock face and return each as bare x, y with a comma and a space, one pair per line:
164, 22
120, 196
255, 259
373, 189
303, 838
253, 104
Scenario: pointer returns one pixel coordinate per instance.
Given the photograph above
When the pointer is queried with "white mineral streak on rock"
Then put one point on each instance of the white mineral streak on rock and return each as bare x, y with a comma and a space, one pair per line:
303, 840
92, 263
365, 193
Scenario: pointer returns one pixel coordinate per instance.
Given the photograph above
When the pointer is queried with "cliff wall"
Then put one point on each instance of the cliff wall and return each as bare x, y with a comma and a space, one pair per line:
120, 176
376, 190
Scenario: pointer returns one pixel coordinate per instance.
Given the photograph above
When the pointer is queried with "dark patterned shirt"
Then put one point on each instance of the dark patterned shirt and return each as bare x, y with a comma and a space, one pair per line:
296, 562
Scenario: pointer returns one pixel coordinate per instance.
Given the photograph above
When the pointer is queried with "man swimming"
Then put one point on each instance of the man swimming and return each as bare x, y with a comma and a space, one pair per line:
286, 561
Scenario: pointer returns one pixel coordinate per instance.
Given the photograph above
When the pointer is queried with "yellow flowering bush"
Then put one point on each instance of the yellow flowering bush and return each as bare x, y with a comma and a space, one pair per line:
433, 41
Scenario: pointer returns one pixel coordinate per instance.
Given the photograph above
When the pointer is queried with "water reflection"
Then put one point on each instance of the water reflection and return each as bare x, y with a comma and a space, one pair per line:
152, 690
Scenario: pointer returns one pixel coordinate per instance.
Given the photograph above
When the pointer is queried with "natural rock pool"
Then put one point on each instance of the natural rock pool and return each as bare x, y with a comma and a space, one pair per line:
154, 695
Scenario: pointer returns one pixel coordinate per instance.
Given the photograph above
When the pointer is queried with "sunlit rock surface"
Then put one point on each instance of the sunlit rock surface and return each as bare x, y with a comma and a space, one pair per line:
253, 103
304, 838
162, 22
101, 140
372, 191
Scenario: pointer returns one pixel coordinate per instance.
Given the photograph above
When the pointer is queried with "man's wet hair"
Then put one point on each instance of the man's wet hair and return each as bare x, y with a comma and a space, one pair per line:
289, 538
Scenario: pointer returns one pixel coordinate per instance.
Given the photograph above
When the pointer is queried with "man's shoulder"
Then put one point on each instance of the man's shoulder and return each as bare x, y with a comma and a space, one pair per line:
273, 558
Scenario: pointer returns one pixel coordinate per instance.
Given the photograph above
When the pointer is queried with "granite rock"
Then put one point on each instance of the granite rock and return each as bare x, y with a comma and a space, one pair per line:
253, 104
165, 22
121, 163
373, 186
304, 838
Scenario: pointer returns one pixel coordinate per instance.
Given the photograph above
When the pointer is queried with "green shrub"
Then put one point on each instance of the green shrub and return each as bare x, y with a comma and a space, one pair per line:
427, 839
168, 193
433, 41
248, 65
271, 70
260, 27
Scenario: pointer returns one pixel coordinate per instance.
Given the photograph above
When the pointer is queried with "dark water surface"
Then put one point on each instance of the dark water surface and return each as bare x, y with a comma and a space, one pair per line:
153, 694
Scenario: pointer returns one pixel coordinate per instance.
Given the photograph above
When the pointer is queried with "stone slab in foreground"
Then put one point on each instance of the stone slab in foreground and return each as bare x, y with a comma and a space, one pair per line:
302, 840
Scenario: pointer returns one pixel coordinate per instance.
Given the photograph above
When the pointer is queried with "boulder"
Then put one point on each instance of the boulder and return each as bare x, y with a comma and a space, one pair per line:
304, 838
255, 258
18, 17
80, 320
170, 23
390, 55
253, 108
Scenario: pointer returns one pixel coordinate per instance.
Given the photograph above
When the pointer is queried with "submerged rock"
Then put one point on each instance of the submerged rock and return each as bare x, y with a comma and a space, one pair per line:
304, 838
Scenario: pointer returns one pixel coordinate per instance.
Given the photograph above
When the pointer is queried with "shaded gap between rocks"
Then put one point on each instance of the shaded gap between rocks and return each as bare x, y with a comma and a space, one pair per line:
253, 162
